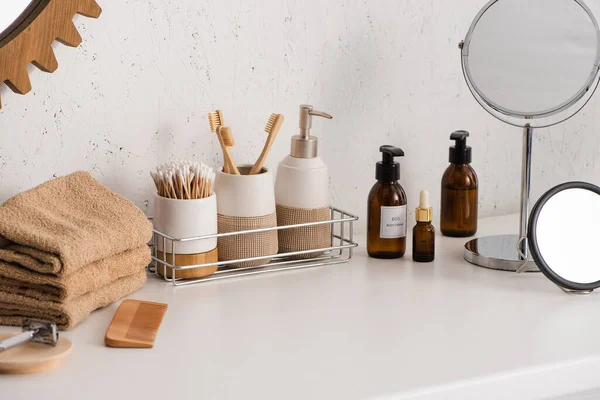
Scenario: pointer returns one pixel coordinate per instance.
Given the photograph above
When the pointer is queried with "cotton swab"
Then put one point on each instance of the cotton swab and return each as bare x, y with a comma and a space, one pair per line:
183, 180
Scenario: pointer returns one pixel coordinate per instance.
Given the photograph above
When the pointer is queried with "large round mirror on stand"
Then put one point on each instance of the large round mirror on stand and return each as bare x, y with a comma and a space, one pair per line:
27, 30
531, 64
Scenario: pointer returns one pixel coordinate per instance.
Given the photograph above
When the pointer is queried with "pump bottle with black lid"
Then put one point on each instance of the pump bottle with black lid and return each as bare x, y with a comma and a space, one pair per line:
458, 211
386, 226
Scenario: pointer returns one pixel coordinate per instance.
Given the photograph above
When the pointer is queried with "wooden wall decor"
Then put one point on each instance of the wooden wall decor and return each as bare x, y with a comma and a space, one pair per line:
30, 42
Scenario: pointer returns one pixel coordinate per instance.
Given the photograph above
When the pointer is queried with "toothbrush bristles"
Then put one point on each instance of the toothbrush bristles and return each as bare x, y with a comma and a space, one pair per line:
270, 123
227, 136
214, 119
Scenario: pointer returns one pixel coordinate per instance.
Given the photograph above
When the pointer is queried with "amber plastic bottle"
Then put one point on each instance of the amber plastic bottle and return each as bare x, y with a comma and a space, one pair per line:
386, 225
424, 232
458, 211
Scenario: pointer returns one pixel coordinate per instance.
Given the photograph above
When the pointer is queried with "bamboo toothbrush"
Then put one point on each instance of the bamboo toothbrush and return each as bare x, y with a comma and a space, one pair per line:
272, 128
225, 137
215, 120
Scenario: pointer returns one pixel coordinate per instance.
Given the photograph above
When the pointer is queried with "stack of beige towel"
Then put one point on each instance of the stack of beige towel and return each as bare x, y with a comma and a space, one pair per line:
68, 247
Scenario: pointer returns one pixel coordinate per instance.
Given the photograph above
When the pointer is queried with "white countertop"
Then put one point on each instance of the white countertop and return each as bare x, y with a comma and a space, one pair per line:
370, 328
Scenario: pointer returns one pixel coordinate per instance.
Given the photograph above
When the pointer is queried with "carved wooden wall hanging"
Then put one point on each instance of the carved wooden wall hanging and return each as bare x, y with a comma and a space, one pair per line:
30, 42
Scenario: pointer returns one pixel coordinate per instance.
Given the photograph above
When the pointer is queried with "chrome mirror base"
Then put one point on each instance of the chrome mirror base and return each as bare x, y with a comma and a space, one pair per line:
572, 291
497, 252
500, 253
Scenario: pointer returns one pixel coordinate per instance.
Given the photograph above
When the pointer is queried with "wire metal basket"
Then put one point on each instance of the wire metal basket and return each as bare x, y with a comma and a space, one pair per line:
340, 251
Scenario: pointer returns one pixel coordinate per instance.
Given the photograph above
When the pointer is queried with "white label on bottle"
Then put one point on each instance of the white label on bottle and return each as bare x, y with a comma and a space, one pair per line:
393, 222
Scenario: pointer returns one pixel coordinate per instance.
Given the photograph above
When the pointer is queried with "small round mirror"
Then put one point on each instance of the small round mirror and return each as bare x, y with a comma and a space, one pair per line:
532, 59
563, 235
12, 12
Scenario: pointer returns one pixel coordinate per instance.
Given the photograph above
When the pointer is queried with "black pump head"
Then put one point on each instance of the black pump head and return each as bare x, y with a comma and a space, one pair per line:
388, 170
460, 153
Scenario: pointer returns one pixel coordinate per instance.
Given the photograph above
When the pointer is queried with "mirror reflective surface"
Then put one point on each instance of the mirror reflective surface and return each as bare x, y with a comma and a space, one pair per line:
563, 235
532, 58
10, 11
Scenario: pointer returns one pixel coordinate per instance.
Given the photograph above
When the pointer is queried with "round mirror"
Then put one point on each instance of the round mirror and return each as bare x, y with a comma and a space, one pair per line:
532, 59
12, 13
563, 235
27, 30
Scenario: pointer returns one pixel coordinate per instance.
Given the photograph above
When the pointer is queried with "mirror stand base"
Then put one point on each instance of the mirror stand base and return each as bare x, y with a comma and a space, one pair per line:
497, 252
571, 291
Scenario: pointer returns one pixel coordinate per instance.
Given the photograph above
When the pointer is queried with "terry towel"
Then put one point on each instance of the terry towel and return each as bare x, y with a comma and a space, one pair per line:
68, 223
15, 307
67, 287
68, 247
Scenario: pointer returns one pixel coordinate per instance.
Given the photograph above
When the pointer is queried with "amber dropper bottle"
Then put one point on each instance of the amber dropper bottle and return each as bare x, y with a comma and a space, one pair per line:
424, 232
386, 220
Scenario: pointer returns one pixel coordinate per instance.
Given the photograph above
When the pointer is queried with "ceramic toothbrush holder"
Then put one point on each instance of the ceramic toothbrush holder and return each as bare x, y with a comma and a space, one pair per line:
246, 202
183, 219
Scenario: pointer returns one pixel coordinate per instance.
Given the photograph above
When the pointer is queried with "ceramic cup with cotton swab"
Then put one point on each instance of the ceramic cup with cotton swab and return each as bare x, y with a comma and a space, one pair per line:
185, 206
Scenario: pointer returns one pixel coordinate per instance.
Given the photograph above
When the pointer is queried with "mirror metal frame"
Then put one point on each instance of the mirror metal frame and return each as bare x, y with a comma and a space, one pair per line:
585, 93
564, 284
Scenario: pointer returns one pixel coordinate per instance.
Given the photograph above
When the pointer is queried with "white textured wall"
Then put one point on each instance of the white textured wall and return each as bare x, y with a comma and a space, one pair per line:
136, 93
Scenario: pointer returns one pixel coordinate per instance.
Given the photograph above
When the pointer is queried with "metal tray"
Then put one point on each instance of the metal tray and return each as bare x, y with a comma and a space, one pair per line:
340, 251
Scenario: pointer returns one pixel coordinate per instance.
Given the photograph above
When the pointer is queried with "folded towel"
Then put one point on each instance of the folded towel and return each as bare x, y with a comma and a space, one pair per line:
68, 223
15, 307
66, 287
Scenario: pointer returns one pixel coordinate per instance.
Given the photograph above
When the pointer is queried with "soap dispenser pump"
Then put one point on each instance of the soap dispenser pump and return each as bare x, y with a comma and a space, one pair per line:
458, 211
304, 145
302, 191
386, 225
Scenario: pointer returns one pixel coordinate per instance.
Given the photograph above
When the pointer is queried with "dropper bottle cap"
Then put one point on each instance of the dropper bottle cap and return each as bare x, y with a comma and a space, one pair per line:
460, 153
424, 212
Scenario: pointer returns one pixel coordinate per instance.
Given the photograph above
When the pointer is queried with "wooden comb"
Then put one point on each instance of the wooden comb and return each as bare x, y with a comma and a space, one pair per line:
135, 324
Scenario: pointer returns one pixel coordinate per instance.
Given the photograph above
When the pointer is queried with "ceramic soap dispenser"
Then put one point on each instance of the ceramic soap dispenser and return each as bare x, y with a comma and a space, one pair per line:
302, 191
